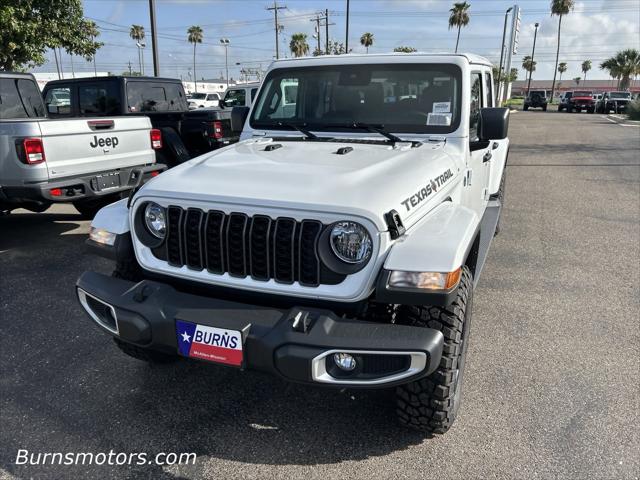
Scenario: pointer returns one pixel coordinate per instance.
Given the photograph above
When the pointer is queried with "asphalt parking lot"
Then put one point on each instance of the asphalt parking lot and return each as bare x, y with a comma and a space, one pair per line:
552, 382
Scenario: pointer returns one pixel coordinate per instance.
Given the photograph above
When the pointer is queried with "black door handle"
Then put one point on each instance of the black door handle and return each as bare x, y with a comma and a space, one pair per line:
487, 157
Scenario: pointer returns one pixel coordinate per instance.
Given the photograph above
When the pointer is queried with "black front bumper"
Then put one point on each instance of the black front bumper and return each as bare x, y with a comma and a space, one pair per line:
146, 313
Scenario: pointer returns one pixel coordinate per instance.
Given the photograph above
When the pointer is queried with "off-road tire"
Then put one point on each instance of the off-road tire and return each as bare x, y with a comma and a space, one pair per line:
144, 354
525, 108
431, 404
544, 109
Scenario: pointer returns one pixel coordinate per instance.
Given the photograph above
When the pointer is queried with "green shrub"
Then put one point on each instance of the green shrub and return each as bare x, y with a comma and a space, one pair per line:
633, 110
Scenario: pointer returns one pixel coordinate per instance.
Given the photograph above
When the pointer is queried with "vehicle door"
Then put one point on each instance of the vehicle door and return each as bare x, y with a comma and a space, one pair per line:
479, 159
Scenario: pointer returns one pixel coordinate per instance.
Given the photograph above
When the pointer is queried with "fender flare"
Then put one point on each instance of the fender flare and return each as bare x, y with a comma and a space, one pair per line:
440, 242
113, 218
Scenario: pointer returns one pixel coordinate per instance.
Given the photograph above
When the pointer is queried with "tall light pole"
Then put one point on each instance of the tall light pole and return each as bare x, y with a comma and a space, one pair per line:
500, 74
225, 43
533, 52
141, 46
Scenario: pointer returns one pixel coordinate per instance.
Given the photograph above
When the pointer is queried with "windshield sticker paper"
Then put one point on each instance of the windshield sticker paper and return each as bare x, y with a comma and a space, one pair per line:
441, 107
209, 343
441, 119
431, 187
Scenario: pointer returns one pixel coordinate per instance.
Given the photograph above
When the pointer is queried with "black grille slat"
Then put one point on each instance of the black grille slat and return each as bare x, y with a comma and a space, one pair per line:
259, 255
214, 248
174, 236
282, 249
236, 230
192, 238
309, 263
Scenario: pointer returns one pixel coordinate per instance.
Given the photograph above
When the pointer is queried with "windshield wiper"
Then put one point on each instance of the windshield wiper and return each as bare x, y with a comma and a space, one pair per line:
299, 128
374, 128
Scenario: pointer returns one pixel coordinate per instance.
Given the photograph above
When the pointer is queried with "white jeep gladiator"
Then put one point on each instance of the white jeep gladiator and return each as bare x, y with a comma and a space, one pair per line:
338, 243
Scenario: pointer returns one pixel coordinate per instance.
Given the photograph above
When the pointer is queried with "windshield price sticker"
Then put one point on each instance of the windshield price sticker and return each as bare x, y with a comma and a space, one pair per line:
441, 119
441, 107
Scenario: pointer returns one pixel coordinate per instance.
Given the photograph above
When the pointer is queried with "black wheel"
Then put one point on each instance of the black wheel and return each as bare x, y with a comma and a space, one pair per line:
144, 354
525, 108
544, 108
432, 403
569, 110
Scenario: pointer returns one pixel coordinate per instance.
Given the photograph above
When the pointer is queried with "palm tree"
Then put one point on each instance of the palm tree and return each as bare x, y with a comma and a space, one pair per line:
577, 80
559, 8
366, 40
195, 36
586, 66
529, 65
298, 44
136, 32
624, 65
459, 18
562, 67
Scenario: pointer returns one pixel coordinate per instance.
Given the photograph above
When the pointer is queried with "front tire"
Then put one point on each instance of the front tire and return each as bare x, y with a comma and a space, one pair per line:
431, 404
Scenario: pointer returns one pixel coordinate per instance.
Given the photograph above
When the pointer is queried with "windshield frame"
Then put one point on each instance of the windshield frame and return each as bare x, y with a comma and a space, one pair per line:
627, 95
323, 127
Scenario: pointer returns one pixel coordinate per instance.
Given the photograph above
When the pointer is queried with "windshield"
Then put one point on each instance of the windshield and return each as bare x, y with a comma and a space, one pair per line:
620, 95
405, 98
582, 93
198, 96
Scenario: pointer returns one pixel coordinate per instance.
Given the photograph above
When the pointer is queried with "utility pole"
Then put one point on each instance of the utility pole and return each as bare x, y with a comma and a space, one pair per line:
275, 9
225, 44
346, 35
154, 38
326, 29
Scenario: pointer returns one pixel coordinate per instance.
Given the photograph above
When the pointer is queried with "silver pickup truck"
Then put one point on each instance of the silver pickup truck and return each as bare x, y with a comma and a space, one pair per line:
90, 162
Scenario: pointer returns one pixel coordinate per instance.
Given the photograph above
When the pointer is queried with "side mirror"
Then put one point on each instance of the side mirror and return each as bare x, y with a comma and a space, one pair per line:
494, 124
238, 117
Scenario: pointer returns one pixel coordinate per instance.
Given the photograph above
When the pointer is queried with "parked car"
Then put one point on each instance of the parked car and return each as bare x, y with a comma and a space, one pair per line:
329, 249
89, 162
535, 99
203, 100
576, 101
240, 95
615, 102
185, 134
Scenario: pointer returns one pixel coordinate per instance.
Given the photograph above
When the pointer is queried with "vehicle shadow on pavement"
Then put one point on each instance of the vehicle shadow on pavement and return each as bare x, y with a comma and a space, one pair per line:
22, 229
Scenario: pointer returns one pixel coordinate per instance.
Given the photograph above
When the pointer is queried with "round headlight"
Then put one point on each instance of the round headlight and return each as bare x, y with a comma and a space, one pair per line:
154, 220
350, 242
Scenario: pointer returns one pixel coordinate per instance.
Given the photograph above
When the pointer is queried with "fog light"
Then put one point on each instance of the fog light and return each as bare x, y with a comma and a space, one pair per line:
100, 235
344, 361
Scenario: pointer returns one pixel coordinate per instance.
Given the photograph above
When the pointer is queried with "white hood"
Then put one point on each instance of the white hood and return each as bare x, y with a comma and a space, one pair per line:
369, 181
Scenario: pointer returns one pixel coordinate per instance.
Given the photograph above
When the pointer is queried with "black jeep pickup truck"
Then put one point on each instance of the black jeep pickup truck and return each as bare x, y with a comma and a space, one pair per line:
185, 134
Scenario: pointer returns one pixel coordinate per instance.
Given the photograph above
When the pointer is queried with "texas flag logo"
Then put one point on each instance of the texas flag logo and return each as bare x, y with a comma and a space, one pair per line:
209, 343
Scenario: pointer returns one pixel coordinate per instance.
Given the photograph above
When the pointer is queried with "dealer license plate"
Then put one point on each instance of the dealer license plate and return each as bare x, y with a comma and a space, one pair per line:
108, 180
212, 344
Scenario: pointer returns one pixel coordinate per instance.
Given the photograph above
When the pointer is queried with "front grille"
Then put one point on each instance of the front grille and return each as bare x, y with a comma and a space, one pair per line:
261, 247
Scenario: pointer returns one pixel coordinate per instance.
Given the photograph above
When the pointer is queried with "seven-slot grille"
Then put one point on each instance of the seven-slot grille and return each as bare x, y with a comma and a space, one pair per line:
261, 247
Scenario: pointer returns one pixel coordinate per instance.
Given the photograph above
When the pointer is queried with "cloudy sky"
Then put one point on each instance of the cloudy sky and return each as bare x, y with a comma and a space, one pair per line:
595, 30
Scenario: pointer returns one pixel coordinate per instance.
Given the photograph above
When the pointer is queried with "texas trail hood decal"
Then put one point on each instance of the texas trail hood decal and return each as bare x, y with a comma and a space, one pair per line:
368, 181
